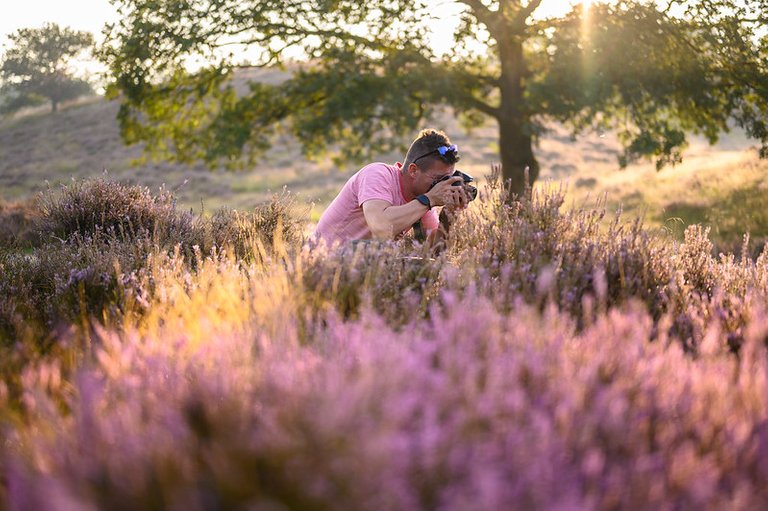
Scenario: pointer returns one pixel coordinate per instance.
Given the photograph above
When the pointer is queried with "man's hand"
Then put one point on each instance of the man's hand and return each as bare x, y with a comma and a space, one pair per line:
459, 202
444, 193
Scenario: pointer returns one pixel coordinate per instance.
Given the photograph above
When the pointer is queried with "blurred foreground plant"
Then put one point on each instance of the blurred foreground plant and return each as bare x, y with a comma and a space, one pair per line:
543, 360
489, 413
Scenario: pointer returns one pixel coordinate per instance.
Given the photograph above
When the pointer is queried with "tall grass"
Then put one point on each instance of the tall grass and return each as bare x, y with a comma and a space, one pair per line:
540, 361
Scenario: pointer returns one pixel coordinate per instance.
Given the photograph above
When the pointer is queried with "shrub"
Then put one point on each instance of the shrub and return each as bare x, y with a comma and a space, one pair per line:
493, 413
72, 282
17, 225
100, 206
546, 359
276, 224
100, 239
535, 250
396, 280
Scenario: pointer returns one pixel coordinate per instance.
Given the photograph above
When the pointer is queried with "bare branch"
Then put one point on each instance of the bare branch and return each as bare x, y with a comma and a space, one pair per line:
669, 6
526, 11
484, 15
282, 30
481, 106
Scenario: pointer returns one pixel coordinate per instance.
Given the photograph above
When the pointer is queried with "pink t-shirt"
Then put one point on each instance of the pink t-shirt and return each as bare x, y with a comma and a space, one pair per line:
344, 219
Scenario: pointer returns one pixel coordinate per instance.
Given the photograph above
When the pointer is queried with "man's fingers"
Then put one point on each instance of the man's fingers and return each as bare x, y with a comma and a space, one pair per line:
448, 183
450, 194
447, 195
456, 198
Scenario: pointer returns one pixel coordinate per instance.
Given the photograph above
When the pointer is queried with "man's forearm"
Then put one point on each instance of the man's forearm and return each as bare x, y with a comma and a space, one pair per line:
396, 219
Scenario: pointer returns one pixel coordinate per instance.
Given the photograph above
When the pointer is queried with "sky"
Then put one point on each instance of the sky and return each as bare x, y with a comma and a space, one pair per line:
87, 15
91, 15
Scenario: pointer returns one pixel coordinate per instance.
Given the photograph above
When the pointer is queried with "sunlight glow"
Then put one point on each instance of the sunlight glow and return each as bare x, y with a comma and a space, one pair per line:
91, 15
586, 39
586, 15
442, 29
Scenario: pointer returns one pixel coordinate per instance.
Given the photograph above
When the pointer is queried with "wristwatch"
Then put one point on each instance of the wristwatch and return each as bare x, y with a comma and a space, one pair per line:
424, 200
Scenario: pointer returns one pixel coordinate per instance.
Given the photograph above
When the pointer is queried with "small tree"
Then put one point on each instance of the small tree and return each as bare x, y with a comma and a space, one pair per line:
37, 67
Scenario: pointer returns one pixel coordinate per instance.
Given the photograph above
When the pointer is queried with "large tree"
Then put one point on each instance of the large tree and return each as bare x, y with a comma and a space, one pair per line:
37, 67
367, 76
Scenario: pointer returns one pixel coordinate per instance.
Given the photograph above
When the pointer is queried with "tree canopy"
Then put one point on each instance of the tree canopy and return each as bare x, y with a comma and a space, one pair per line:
37, 67
368, 77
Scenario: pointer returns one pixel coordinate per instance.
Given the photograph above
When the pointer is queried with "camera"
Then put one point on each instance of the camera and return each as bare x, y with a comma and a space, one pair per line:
466, 179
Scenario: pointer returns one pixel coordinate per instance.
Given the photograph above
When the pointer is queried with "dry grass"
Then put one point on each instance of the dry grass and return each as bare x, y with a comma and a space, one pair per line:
721, 187
537, 363
710, 187
17, 224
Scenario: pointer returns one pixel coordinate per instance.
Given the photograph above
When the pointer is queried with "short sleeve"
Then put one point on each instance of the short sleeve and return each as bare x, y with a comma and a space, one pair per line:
374, 183
430, 221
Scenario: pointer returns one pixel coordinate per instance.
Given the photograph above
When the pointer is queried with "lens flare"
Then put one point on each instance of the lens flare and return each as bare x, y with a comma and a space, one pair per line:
585, 20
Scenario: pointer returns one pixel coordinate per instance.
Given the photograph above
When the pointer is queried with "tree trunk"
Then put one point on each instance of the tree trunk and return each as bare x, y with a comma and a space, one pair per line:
515, 134
54, 106
516, 148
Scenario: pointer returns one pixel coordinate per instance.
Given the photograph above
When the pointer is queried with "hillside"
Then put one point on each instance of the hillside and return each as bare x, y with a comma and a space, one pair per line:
722, 185
536, 363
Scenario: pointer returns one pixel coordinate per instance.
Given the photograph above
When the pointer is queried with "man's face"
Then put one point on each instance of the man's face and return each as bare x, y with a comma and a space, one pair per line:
426, 176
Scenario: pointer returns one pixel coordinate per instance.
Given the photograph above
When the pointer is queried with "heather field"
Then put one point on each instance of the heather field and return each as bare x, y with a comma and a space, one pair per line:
550, 357
721, 186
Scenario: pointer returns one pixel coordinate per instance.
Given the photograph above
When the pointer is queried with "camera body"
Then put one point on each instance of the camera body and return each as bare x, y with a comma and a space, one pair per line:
465, 180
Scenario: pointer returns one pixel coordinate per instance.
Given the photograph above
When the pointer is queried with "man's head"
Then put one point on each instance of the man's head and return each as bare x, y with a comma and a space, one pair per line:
430, 157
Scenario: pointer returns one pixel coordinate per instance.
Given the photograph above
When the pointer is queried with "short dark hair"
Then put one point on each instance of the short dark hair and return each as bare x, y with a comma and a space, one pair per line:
429, 140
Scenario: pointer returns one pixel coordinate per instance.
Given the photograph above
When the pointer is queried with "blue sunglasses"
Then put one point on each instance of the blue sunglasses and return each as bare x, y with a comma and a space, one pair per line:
442, 151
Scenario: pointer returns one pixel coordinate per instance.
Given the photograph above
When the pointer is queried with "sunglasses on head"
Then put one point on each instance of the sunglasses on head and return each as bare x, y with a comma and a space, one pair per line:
442, 151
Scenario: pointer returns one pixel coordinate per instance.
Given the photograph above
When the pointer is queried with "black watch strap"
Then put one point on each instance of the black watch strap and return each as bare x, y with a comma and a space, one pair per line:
424, 200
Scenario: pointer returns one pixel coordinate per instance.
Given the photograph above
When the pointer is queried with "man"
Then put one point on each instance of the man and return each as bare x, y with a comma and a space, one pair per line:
383, 201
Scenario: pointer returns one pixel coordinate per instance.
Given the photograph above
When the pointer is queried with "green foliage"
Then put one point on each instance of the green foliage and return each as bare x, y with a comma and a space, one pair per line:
699, 72
37, 67
367, 82
13, 101
199, 115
